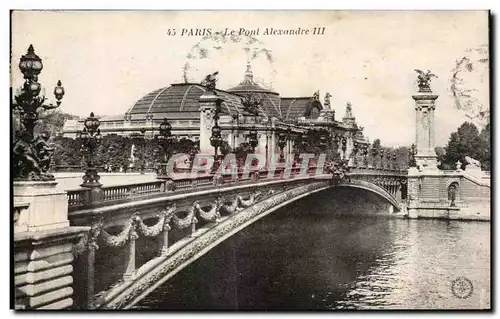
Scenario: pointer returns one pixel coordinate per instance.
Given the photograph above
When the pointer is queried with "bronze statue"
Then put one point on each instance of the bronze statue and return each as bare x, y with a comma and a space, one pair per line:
26, 160
44, 151
210, 81
316, 96
424, 79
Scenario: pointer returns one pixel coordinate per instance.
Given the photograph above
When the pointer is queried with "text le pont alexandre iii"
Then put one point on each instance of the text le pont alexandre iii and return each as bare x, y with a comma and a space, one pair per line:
246, 32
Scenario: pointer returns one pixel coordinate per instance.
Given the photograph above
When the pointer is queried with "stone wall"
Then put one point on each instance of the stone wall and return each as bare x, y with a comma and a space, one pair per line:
430, 195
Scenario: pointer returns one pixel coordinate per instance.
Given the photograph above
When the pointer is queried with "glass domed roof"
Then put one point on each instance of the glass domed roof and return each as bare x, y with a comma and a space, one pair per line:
182, 97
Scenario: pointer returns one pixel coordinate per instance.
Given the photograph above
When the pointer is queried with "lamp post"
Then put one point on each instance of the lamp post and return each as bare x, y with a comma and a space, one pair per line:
282, 144
165, 135
32, 154
142, 151
355, 150
216, 137
365, 155
90, 138
336, 141
374, 154
394, 160
253, 139
344, 146
388, 158
323, 140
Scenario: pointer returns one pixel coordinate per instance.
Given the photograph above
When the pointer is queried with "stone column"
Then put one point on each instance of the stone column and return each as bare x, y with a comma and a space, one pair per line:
43, 244
209, 102
261, 148
273, 149
426, 157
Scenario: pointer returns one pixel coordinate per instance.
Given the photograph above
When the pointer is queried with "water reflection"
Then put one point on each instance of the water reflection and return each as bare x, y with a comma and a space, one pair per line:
310, 256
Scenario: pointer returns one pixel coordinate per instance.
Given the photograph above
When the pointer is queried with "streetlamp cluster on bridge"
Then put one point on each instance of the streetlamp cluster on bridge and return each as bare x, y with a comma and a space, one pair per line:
31, 153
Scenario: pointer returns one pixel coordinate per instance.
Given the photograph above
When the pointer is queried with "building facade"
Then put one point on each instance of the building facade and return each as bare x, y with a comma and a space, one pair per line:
179, 103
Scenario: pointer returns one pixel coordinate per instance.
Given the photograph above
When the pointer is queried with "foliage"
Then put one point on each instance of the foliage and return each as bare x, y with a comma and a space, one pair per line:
116, 151
467, 141
67, 152
51, 121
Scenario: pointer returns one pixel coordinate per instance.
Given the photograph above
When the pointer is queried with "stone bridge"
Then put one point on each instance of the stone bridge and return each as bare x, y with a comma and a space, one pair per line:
143, 234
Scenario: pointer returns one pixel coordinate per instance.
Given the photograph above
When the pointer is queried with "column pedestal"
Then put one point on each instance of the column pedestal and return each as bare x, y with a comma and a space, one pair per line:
43, 244
426, 157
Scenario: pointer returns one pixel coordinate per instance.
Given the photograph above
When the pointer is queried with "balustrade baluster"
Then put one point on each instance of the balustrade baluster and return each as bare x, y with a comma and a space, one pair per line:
130, 270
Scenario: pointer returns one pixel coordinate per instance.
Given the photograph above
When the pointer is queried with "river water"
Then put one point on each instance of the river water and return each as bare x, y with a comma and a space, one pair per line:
310, 256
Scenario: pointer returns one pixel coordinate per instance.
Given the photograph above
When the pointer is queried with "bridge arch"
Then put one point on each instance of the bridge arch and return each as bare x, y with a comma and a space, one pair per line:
155, 272
374, 188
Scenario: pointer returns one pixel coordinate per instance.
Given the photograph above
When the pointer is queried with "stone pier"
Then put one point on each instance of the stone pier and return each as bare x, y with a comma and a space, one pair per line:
43, 246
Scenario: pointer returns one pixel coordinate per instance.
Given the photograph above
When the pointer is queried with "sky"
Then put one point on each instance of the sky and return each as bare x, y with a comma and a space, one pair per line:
108, 60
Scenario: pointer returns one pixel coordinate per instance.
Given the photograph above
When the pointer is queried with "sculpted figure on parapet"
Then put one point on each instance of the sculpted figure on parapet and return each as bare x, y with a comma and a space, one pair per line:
32, 157
327, 101
474, 164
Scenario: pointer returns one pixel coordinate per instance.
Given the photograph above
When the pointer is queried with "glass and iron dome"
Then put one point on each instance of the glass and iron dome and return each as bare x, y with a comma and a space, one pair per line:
270, 100
182, 97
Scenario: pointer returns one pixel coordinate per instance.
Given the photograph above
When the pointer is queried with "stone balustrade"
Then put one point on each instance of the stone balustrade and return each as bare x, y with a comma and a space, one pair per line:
79, 198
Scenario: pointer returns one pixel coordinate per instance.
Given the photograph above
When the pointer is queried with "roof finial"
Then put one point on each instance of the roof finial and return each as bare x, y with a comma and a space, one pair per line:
248, 73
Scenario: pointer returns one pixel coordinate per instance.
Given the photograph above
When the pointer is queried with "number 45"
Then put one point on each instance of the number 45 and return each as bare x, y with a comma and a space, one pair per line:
171, 32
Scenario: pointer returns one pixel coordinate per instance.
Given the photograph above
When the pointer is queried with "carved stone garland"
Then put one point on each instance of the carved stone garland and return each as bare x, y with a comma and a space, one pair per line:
120, 239
213, 214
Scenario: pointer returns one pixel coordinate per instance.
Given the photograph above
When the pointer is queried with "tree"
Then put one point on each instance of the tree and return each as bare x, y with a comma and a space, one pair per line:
441, 153
484, 136
465, 142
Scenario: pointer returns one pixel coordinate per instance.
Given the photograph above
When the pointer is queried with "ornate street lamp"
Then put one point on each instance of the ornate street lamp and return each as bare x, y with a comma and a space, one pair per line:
32, 154
281, 144
365, 155
336, 141
388, 158
355, 150
374, 154
323, 140
344, 146
90, 138
253, 139
216, 138
166, 138
142, 163
394, 160
303, 140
